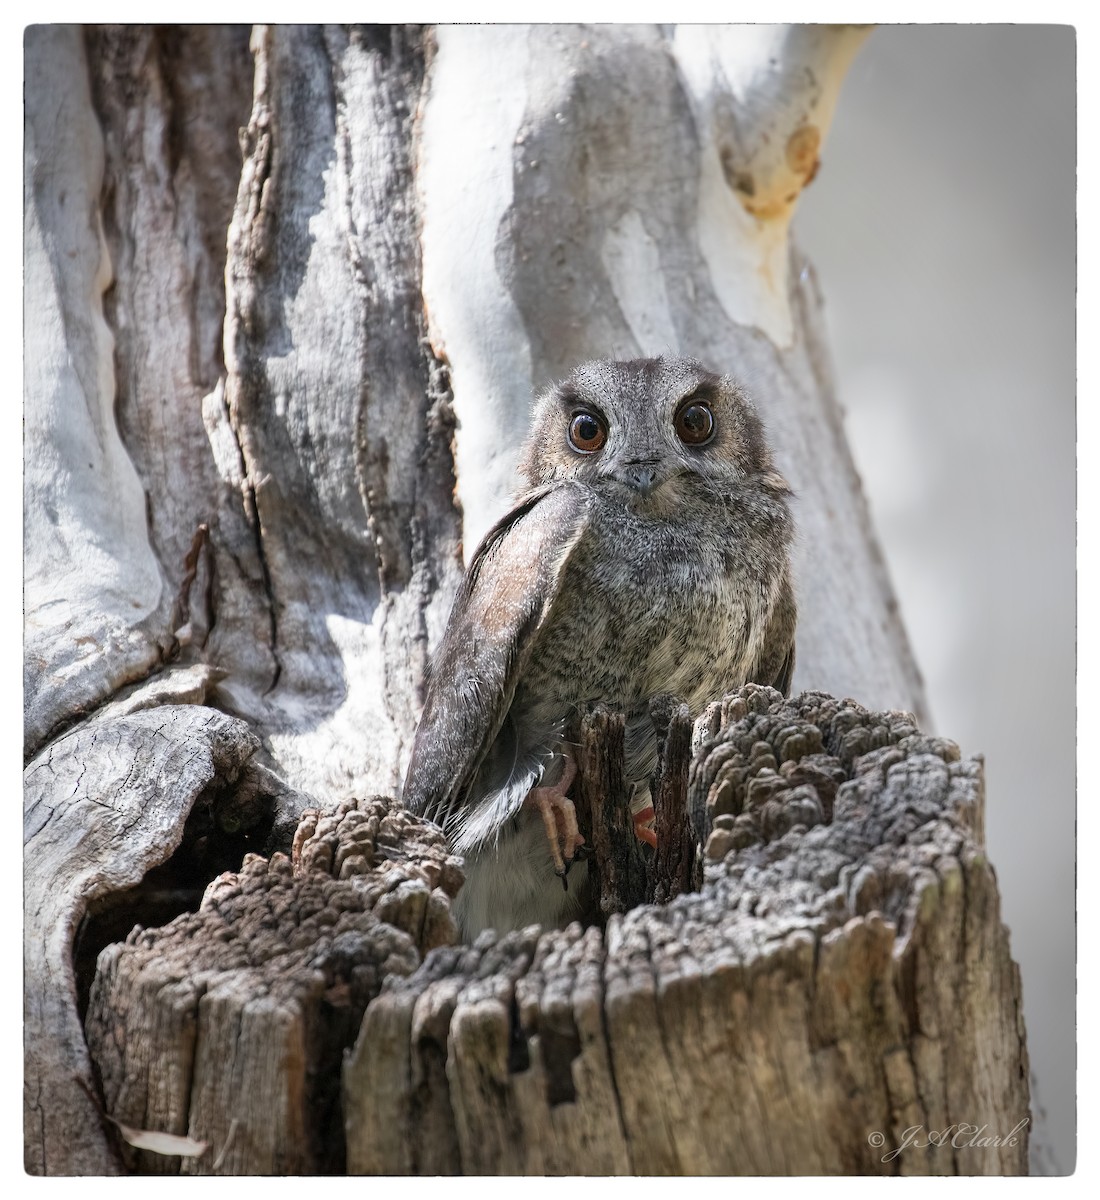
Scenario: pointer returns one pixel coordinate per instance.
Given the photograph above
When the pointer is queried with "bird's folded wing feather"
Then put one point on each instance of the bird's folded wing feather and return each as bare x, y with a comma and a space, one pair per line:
775, 666
503, 602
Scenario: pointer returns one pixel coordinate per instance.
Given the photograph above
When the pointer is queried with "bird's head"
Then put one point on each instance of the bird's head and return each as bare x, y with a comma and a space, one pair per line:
655, 431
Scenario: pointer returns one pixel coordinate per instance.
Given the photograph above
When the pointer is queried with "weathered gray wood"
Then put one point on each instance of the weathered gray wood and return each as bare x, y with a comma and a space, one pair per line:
312, 619
674, 862
616, 864
229, 1023
102, 807
336, 402
170, 101
842, 974
832, 983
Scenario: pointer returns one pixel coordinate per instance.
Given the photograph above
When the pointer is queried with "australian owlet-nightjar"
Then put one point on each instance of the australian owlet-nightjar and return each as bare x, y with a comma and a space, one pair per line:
647, 554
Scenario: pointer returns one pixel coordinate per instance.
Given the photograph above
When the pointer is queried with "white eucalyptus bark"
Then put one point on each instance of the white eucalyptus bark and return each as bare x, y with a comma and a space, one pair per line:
288, 294
94, 592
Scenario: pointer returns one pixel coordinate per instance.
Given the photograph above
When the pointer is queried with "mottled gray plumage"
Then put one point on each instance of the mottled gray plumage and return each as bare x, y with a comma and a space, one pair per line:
644, 558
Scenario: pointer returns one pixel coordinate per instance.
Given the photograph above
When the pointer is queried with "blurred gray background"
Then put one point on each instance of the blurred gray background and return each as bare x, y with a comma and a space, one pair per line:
942, 227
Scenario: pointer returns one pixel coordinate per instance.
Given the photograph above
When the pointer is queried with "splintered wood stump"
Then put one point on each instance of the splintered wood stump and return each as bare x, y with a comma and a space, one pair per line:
623, 874
839, 984
105, 805
229, 1024
841, 976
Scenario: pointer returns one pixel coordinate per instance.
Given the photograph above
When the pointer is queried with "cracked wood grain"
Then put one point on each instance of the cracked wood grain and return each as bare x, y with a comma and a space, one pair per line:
134, 173
836, 976
102, 807
339, 411
674, 863
617, 865
842, 972
170, 101
229, 1023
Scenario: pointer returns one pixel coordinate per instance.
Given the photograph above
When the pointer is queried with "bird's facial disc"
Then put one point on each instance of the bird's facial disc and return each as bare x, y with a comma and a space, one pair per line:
668, 437
654, 430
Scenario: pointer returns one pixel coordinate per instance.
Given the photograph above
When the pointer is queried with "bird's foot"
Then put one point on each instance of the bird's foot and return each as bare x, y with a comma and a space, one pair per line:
560, 819
644, 819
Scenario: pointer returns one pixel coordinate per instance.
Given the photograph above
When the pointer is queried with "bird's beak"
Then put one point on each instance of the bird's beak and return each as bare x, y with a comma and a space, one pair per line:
642, 477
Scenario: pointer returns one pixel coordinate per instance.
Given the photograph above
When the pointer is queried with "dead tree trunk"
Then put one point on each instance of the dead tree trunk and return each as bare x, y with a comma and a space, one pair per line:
831, 986
288, 292
841, 976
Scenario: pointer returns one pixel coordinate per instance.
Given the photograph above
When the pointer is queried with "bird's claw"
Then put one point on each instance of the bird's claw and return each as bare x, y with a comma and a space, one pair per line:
643, 825
560, 820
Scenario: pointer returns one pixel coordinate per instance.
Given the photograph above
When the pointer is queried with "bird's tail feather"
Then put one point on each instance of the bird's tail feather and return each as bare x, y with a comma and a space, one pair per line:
515, 765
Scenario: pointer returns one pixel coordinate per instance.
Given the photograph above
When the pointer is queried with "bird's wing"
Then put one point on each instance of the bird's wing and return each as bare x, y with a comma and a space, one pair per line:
782, 681
503, 602
775, 667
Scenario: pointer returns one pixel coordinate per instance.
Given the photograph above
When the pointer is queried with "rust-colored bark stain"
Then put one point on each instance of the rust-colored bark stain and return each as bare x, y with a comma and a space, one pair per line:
801, 157
802, 151
736, 176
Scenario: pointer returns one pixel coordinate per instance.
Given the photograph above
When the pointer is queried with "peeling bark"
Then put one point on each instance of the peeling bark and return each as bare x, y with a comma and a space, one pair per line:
346, 456
170, 101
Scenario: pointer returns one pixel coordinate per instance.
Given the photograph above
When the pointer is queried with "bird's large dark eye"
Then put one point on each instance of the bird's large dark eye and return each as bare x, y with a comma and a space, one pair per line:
695, 424
586, 433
